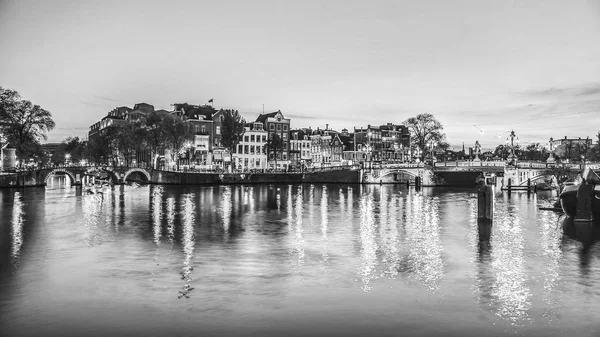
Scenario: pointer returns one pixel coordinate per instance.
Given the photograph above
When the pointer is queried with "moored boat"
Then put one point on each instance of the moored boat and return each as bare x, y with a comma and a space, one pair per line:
581, 200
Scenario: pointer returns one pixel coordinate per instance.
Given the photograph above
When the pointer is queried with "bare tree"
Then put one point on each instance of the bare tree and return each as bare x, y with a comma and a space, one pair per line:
426, 132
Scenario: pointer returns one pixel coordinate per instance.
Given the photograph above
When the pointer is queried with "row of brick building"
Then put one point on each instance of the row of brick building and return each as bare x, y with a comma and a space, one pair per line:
301, 148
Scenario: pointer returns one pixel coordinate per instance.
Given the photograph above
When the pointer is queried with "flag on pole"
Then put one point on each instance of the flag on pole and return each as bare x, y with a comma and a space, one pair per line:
210, 100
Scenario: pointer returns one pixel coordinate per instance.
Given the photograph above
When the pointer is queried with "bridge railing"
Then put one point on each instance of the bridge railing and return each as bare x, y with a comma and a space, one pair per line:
398, 165
469, 164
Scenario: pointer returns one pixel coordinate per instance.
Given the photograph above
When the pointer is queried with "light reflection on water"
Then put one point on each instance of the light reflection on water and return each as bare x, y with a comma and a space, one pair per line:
510, 291
16, 229
188, 243
367, 240
357, 249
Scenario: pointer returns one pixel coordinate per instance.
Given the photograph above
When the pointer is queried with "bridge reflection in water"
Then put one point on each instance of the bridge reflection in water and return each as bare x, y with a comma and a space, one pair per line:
316, 254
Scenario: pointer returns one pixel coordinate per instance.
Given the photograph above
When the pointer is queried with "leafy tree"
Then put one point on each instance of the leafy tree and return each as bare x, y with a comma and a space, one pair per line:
154, 135
562, 173
425, 130
273, 147
502, 151
535, 151
23, 123
73, 147
102, 148
177, 133
129, 140
232, 130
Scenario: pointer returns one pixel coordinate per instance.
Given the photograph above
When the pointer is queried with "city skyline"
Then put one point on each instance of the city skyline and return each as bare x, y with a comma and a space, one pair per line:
482, 68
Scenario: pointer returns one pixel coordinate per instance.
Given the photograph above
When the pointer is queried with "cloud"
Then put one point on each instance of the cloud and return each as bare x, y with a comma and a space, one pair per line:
108, 99
588, 89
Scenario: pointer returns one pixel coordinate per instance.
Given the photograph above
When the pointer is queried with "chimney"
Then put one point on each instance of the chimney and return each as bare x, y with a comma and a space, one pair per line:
326, 126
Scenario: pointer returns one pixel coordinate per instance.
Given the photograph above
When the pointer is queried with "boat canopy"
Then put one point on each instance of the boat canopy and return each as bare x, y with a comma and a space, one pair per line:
590, 177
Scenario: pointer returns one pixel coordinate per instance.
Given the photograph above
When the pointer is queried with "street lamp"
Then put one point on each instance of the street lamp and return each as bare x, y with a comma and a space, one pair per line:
67, 158
433, 145
513, 139
551, 156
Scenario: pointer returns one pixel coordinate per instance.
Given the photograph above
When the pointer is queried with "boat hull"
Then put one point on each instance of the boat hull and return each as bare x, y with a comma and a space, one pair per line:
569, 201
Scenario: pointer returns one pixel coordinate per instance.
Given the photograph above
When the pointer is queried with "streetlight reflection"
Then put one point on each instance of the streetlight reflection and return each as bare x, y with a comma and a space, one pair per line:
510, 293
368, 243
226, 206
16, 229
188, 241
324, 224
171, 220
388, 231
551, 238
156, 205
299, 227
423, 237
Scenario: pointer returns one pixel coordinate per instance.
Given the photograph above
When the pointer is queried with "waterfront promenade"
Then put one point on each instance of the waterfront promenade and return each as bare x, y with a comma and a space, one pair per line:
455, 173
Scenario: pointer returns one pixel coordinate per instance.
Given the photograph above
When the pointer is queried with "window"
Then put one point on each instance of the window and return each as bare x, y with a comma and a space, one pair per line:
285, 146
246, 149
271, 126
285, 156
218, 130
251, 149
252, 138
278, 127
203, 129
239, 149
285, 127
222, 118
246, 139
284, 136
264, 139
245, 162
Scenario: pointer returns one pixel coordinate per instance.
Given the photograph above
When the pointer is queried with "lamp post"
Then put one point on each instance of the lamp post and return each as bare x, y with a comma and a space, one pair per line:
513, 139
433, 145
551, 157
67, 158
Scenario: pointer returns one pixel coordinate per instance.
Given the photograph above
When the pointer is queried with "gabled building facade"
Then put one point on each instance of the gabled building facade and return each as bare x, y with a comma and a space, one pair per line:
276, 123
250, 152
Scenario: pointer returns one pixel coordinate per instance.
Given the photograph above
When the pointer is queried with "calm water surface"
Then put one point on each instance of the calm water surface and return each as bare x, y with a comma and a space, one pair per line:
291, 261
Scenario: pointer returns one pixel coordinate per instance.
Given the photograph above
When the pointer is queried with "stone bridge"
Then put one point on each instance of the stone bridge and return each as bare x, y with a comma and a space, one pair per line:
84, 174
466, 172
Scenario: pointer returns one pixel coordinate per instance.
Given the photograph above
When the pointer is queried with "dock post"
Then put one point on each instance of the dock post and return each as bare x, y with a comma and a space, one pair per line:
509, 185
418, 182
485, 204
528, 186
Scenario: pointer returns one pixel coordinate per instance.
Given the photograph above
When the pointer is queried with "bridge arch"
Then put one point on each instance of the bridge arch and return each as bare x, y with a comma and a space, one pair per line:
411, 173
59, 170
142, 171
95, 170
540, 177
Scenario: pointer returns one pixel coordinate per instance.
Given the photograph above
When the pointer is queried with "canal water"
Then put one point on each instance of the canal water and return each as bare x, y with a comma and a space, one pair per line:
291, 260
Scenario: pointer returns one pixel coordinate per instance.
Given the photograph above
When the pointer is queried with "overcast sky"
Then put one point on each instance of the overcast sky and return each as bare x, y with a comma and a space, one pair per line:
481, 67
